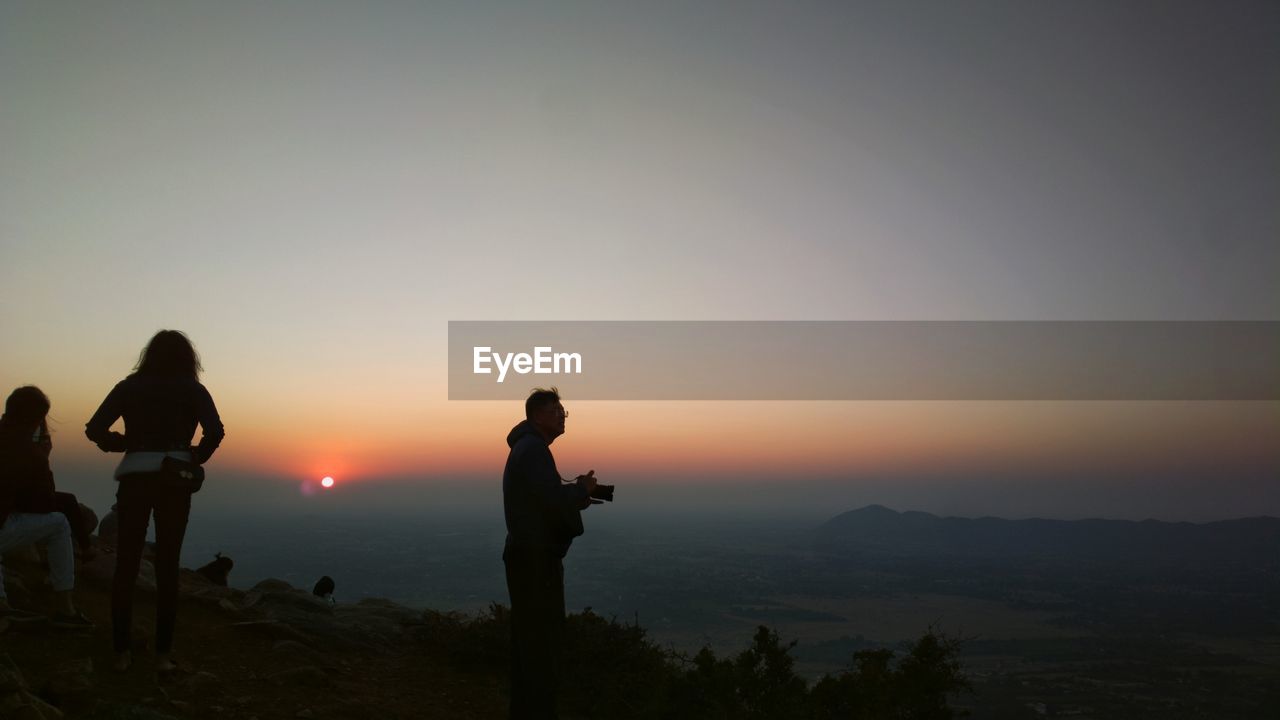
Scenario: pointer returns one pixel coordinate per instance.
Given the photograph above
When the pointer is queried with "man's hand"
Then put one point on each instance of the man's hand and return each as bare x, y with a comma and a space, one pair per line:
588, 482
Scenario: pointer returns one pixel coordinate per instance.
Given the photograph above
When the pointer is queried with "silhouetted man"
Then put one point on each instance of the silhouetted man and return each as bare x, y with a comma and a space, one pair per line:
543, 517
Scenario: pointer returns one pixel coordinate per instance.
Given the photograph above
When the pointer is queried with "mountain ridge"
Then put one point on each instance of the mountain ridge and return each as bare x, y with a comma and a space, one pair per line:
875, 528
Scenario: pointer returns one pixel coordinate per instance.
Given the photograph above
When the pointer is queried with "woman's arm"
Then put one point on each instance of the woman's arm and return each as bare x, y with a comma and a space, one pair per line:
98, 429
211, 430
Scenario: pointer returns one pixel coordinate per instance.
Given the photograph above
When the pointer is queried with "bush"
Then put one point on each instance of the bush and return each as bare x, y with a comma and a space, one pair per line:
759, 683
475, 643
612, 670
917, 688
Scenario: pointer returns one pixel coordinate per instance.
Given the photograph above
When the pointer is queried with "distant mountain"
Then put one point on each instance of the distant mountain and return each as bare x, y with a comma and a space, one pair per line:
876, 529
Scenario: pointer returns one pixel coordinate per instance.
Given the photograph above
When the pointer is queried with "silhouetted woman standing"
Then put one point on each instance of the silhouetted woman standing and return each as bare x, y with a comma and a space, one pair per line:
161, 403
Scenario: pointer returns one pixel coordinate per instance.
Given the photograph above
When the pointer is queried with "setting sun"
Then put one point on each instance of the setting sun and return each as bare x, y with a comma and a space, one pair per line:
327, 481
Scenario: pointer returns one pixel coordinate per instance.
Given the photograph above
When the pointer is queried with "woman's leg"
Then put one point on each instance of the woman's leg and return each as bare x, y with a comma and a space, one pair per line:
62, 560
133, 510
50, 530
173, 507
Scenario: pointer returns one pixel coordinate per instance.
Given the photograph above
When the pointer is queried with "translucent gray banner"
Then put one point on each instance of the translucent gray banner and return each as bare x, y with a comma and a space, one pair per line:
866, 360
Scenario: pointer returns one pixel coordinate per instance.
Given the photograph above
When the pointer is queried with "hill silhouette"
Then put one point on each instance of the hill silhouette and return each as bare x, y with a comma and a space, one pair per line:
877, 529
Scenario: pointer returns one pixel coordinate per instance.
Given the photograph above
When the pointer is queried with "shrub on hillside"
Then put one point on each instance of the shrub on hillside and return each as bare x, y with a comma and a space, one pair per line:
918, 687
757, 684
613, 670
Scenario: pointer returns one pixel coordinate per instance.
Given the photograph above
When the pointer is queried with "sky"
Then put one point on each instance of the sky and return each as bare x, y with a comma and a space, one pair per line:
312, 190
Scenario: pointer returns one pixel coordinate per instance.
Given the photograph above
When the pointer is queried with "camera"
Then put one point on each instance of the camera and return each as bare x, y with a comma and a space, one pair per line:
601, 491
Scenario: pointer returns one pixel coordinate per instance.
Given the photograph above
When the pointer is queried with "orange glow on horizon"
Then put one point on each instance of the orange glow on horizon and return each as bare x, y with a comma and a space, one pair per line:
722, 442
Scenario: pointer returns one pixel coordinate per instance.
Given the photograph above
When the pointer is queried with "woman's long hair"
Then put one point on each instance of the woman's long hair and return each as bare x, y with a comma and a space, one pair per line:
26, 406
169, 353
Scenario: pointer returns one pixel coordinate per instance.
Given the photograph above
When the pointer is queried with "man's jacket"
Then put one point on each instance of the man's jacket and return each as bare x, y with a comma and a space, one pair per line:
542, 512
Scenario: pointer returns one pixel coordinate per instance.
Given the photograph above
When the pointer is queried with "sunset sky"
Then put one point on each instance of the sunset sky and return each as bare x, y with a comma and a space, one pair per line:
312, 190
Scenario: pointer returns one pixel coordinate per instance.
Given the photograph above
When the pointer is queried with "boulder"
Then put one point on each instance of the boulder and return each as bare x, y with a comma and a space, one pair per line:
108, 527
10, 677
23, 705
273, 584
112, 711
72, 678
278, 598
201, 683
305, 676
272, 629
296, 651
90, 518
16, 588
102, 568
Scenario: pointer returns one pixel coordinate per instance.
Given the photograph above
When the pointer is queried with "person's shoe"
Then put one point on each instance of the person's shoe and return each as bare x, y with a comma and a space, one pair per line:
14, 615
123, 661
76, 621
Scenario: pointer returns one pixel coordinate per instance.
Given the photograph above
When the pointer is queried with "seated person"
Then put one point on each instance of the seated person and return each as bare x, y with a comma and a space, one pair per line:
28, 506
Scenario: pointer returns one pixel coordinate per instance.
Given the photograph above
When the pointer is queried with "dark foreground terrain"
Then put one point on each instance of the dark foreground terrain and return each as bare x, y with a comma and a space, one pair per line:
1091, 619
279, 652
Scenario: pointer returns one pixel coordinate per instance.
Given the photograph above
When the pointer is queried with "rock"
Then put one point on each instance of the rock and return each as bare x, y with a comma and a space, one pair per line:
273, 629
389, 609
200, 683
279, 599
304, 713
102, 568
10, 676
191, 582
107, 528
36, 709
297, 651
72, 677
112, 711
211, 592
215, 595
286, 603
17, 590
277, 593
90, 518
273, 585
305, 676
24, 711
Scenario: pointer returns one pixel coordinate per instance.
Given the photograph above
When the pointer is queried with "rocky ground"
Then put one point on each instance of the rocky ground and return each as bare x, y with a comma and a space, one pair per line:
272, 652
